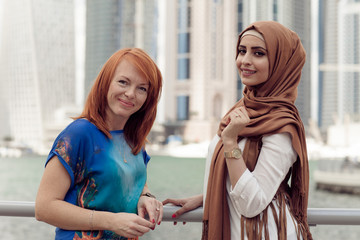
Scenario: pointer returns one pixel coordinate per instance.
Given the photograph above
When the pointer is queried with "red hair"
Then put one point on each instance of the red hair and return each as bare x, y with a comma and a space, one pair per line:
139, 124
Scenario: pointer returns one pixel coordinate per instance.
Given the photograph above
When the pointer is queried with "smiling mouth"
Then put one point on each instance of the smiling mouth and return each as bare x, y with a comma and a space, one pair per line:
248, 71
126, 103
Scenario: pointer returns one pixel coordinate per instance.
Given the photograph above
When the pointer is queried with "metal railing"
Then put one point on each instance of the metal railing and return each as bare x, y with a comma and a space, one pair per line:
316, 216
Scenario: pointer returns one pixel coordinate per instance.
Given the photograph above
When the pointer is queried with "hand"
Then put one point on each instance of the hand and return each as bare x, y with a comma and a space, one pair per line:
152, 207
130, 225
187, 204
237, 120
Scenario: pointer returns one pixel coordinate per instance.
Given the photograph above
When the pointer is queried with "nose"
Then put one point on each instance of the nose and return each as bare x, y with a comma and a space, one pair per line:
246, 59
130, 92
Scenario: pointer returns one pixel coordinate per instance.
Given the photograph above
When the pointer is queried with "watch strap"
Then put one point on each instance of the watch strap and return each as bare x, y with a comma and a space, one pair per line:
147, 194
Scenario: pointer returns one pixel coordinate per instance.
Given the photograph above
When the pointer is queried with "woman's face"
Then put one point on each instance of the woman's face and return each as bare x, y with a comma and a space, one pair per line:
127, 93
252, 61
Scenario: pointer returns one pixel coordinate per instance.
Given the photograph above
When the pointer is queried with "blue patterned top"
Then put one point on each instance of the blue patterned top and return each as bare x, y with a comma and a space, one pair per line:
104, 174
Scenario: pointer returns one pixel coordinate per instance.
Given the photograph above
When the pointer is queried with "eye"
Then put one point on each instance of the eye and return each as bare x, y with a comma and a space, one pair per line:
242, 51
143, 89
123, 82
259, 53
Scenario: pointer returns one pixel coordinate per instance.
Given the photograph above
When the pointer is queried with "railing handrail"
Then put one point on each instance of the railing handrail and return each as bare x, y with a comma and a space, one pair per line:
316, 216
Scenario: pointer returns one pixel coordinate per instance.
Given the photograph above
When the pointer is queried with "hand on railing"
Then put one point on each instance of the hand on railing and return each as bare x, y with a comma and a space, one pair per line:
186, 204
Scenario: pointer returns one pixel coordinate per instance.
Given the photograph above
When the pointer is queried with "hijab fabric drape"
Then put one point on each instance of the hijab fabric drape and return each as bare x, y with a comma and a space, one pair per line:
271, 109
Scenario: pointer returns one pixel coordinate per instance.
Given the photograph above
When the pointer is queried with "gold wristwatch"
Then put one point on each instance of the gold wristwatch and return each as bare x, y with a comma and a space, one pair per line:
235, 153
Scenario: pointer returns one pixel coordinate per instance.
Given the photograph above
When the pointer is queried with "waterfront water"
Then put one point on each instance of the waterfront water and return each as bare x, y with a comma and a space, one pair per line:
168, 177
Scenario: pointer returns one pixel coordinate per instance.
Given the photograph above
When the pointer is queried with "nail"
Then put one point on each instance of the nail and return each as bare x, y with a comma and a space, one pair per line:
159, 223
175, 223
153, 221
153, 228
174, 215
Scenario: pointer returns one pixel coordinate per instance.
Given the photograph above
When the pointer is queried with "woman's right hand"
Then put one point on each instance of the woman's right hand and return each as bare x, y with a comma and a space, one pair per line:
130, 225
238, 119
187, 204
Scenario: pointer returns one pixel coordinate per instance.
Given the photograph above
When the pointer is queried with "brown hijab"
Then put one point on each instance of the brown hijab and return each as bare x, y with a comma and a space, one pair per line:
271, 109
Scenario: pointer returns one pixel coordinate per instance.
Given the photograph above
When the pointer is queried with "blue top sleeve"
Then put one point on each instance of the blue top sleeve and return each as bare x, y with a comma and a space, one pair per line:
71, 146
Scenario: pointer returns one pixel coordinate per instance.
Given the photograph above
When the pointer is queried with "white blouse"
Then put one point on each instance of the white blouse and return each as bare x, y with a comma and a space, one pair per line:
255, 190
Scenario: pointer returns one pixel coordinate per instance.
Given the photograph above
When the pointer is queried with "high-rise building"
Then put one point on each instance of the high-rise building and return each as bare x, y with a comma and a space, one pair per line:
115, 24
200, 72
339, 86
37, 66
296, 15
199, 68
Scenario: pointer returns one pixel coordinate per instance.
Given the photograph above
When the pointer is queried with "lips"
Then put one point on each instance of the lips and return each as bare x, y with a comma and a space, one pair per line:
247, 72
126, 103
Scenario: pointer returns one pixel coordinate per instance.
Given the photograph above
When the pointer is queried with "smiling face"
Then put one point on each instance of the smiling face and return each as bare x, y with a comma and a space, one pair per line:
252, 61
127, 93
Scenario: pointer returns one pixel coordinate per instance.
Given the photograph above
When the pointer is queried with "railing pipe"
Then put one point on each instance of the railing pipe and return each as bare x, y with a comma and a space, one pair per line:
334, 216
316, 216
17, 209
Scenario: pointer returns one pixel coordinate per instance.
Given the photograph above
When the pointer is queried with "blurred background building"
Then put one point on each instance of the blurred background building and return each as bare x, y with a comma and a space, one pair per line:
202, 82
193, 43
115, 24
37, 68
339, 55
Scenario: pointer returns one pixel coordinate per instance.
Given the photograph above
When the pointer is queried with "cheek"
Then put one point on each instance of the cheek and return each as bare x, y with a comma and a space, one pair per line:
266, 68
238, 62
142, 100
108, 96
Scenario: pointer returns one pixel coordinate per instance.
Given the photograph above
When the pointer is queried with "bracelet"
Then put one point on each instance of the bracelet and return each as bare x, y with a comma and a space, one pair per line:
91, 220
147, 194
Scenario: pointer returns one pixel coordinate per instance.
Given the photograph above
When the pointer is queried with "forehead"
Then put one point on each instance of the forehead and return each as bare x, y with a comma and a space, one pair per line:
252, 41
126, 68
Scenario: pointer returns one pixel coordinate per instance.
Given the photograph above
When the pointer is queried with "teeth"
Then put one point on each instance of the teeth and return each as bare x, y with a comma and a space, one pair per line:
248, 72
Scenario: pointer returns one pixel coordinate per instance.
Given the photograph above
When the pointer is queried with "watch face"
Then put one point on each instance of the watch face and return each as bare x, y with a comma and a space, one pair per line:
236, 153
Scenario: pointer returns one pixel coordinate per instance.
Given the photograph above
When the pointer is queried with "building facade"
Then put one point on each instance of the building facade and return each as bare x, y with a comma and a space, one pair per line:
115, 24
200, 72
339, 84
37, 67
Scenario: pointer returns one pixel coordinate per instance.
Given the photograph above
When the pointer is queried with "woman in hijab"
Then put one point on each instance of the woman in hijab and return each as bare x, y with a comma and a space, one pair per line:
260, 145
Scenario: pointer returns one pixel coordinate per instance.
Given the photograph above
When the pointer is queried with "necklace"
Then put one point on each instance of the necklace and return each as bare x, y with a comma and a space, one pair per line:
120, 143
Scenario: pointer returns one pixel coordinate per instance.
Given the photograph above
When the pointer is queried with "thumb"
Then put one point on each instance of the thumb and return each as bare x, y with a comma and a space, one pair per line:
179, 212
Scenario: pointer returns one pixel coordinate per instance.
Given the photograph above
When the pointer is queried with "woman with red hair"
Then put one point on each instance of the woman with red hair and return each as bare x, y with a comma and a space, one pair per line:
94, 183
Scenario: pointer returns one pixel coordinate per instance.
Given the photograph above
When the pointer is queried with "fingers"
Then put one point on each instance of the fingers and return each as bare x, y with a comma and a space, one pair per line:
239, 115
179, 212
155, 213
160, 216
173, 201
131, 225
153, 208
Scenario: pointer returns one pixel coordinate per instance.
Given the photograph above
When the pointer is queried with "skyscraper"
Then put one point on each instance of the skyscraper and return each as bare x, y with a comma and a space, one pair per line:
201, 80
295, 15
115, 24
339, 62
37, 66
199, 67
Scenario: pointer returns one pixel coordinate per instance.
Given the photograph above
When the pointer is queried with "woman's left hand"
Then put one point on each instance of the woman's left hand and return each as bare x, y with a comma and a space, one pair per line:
151, 207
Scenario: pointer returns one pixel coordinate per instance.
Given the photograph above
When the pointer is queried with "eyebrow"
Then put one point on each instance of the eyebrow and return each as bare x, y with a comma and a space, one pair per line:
141, 84
256, 47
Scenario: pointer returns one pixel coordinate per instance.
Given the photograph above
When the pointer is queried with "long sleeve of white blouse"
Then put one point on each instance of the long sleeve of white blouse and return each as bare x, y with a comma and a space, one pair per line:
255, 190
